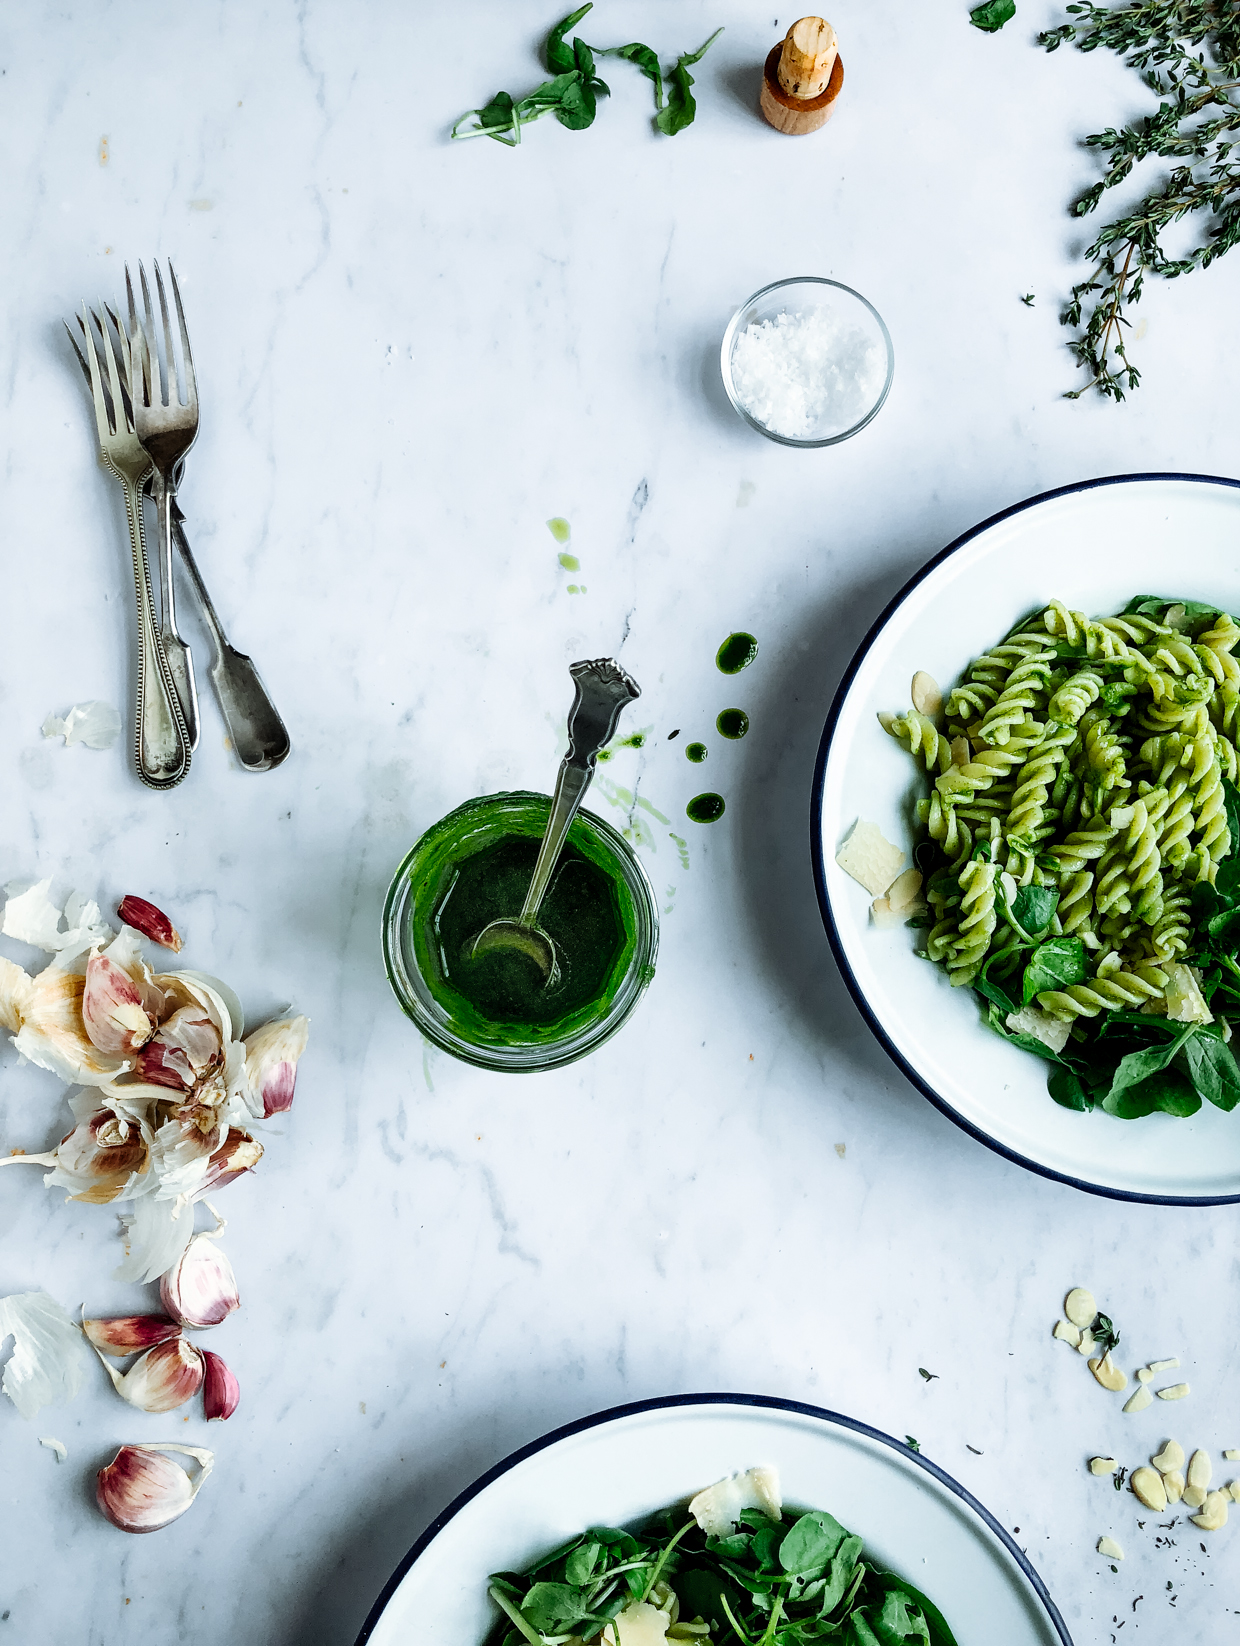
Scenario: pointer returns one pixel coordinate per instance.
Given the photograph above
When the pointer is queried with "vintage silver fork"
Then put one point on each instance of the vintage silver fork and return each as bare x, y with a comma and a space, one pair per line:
167, 427
161, 742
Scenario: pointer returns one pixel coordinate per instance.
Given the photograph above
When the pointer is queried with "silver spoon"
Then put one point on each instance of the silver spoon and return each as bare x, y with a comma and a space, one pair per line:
602, 690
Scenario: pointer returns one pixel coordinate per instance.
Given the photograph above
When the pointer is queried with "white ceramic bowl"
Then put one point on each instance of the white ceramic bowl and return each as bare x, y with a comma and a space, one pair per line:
625, 1464
1093, 546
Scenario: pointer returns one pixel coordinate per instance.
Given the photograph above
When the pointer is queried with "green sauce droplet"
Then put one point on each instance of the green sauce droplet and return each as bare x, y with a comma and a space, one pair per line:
705, 808
732, 723
570, 562
737, 652
559, 529
695, 752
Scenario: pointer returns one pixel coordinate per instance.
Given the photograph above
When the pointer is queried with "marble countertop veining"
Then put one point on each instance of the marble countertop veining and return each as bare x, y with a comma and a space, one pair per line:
411, 354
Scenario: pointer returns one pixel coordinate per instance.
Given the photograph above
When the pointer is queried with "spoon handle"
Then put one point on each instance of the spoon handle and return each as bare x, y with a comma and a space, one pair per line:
602, 690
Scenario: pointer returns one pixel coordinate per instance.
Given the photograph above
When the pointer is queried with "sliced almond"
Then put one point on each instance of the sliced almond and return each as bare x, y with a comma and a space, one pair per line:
1102, 1465
884, 916
1232, 1455
1139, 1399
1171, 1457
1194, 1496
1147, 1485
927, 698
1068, 1333
1200, 1468
1173, 1480
1110, 1548
1086, 1345
1079, 1306
1109, 1374
1177, 1391
1213, 1515
1145, 1375
1234, 1489
1164, 1365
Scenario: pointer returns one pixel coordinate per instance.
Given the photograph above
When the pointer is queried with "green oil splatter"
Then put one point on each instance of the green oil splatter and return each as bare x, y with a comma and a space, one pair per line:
732, 723
570, 562
559, 529
705, 808
682, 848
737, 652
695, 752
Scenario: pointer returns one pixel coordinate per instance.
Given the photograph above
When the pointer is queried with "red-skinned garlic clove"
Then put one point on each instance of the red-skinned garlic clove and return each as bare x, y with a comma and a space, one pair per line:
220, 1389
239, 1153
112, 1009
271, 1056
122, 1335
162, 1379
141, 1490
144, 917
200, 1289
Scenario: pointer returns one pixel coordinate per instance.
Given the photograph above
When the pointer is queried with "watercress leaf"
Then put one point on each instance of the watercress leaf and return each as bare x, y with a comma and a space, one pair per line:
843, 1565
899, 1620
558, 54
735, 1547
583, 58
993, 991
992, 15
582, 1561
1224, 931
680, 107
643, 58
551, 1607
1213, 1070
699, 1590
936, 1623
1056, 964
1066, 1088
1033, 907
578, 105
810, 1542
498, 112
857, 1630
1227, 878
1137, 1067
1173, 1093
755, 1519
1154, 605
764, 1546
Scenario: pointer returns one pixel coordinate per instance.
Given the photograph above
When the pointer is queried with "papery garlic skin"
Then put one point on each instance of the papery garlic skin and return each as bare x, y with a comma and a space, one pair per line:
53, 1035
150, 921
201, 1290
220, 1390
16, 993
141, 1490
122, 1335
162, 1379
271, 1057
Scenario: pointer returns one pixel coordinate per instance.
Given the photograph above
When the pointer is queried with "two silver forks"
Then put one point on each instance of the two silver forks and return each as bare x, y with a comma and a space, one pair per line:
145, 429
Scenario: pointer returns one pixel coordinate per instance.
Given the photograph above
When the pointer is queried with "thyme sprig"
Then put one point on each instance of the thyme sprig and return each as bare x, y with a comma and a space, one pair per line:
1188, 53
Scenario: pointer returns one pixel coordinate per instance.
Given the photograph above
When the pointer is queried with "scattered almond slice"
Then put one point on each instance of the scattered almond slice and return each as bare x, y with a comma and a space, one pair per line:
1234, 1488
1079, 1306
1173, 1480
1171, 1457
1194, 1496
926, 695
1200, 1469
1086, 1345
54, 1445
1147, 1485
1139, 1399
1110, 1548
1177, 1391
1066, 1332
1145, 1375
1232, 1455
870, 858
1214, 1514
1102, 1465
1164, 1365
1109, 1374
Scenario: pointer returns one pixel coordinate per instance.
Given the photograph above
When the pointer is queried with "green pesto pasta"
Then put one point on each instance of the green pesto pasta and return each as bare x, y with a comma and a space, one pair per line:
1085, 756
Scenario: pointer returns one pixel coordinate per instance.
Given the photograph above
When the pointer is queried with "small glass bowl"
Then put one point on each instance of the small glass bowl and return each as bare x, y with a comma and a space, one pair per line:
418, 887
800, 295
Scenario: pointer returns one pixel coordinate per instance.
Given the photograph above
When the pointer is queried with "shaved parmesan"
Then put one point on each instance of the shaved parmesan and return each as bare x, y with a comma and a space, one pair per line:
95, 724
49, 1355
1033, 1021
718, 1509
870, 859
1185, 1001
54, 1445
639, 1624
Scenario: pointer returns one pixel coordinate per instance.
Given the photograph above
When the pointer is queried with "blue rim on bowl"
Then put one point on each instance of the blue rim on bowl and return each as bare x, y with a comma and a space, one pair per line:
741, 318
761, 1402
907, 1068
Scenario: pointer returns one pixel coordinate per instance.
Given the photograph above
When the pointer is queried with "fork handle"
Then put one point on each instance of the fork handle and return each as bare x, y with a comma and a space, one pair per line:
161, 746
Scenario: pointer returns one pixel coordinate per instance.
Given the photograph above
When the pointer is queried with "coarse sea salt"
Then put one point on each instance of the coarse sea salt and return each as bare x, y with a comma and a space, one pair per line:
807, 376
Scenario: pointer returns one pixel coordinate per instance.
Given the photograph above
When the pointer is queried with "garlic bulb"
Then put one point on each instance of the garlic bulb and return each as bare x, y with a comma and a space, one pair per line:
201, 1289
220, 1389
162, 1379
141, 1490
122, 1335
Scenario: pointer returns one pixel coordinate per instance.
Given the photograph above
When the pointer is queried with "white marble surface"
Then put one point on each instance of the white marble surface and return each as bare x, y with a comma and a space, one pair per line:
411, 354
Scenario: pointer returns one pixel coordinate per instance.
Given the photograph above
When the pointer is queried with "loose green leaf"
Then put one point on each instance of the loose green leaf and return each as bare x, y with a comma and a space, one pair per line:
1057, 964
810, 1543
641, 57
552, 1607
559, 56
582, 1561
913, 1445
680, 107
991, 16
930, 1377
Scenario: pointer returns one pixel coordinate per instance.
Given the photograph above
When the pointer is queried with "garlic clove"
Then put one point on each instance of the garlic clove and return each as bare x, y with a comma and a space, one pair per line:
239, 1153
144, 917
220, 1389
112, 1009
162, 1379
104, 1158
271, 1055
141, 1490
201, 1289
121, 1335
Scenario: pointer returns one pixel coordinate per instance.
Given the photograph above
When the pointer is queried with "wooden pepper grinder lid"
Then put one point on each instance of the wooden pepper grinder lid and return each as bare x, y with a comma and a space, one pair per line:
802, 78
